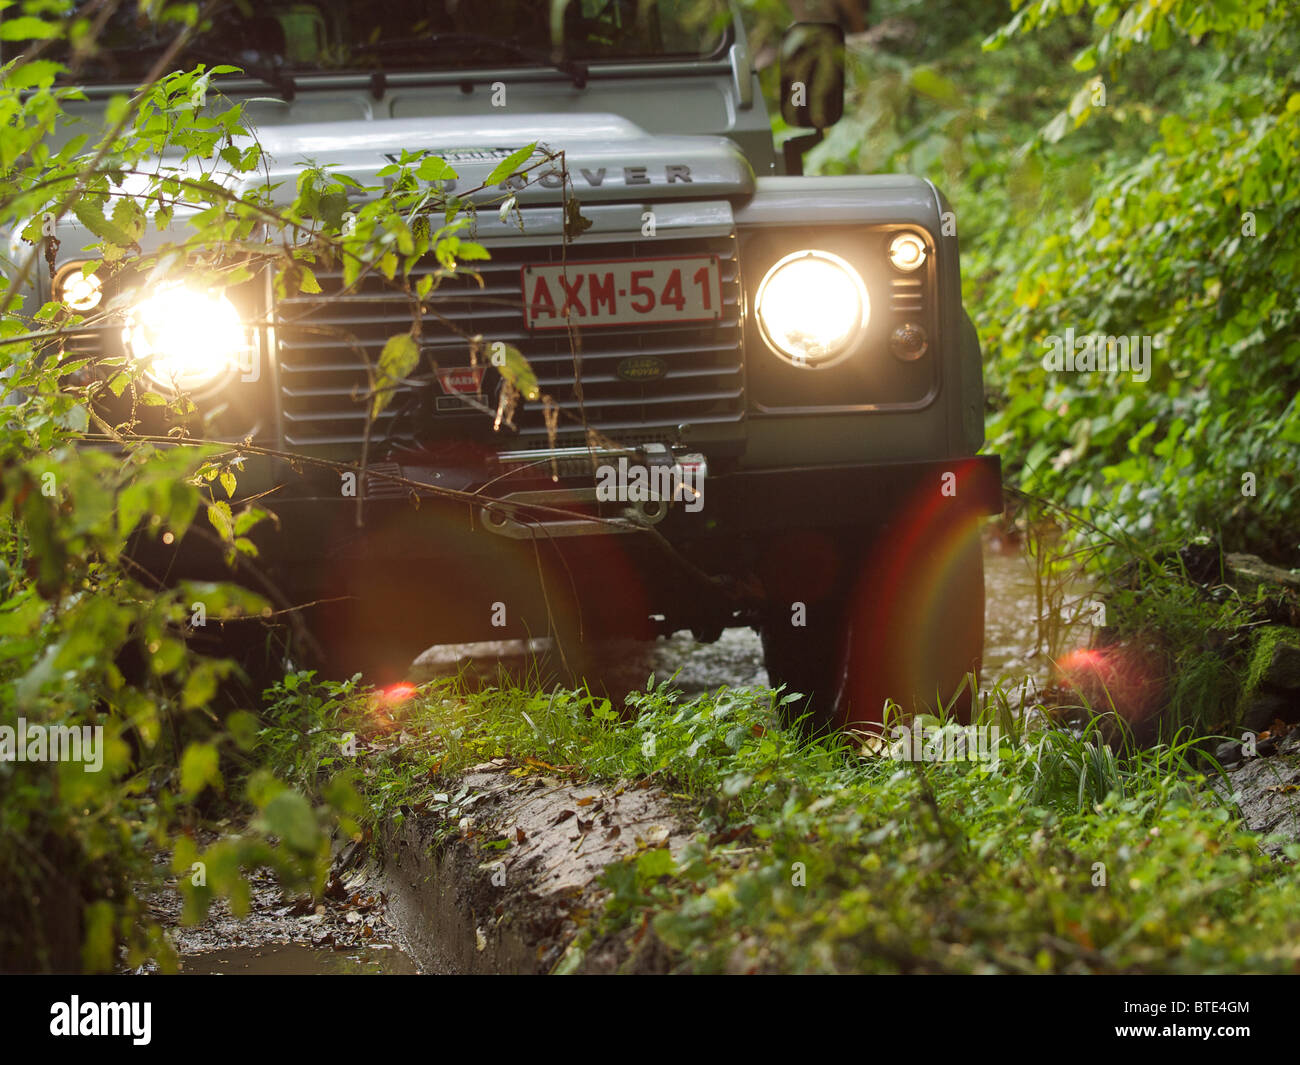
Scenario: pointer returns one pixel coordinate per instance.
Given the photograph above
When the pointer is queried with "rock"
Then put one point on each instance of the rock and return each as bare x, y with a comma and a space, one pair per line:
1283, 671
1260, 788
1256, 712
1249, 572
1272, 683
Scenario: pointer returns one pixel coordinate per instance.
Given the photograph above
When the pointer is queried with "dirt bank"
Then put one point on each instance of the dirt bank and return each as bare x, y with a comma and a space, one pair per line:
508, 884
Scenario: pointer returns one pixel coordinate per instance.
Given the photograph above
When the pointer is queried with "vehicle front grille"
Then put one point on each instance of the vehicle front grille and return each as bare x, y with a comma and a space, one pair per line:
324, 340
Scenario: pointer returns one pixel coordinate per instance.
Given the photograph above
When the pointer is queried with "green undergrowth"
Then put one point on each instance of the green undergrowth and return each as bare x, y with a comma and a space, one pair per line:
837, 854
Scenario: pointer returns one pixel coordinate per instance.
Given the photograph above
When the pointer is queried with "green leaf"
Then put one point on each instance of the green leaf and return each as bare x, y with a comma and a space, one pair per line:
929, 82
652, 864
291, 817
331, 209
400, 356
243, 728
26, 28
510, 164
435, 168
222, 520
199, 768
97, 948
39, 73
518, 372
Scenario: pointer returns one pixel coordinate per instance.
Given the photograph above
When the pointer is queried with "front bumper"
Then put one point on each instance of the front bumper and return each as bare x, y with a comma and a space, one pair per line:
736, 504
431, 566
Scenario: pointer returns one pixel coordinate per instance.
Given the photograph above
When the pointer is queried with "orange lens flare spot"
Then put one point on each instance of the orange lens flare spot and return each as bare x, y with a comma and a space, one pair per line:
1123, 677
396, 694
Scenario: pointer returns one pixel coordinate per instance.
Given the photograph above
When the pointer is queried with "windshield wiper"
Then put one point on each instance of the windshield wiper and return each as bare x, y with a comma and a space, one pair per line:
576, 71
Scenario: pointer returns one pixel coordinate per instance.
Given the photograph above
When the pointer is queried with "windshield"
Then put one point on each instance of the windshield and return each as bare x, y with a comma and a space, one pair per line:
394, 35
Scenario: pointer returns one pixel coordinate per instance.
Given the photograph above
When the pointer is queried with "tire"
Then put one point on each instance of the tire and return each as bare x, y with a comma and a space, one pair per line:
804, 660
908, 630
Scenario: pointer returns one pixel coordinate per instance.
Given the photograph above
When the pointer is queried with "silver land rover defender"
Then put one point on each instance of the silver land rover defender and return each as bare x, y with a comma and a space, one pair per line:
758, 399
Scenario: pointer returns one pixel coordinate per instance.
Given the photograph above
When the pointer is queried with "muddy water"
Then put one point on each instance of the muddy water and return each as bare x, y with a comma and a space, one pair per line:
294, 959
1010, 606
347, 931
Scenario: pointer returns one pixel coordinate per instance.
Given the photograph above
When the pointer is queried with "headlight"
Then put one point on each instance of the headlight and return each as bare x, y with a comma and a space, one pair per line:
907, 252
78, 291
812, 308
187, 339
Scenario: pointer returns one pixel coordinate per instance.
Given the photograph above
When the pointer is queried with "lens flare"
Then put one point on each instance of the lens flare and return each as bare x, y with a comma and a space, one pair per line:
396, 694
188, 339
1122, 678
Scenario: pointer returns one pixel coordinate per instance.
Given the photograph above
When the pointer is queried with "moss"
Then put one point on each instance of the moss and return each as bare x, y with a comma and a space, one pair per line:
1266, 641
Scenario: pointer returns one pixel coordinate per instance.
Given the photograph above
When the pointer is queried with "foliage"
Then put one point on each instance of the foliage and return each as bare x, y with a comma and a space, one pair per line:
169, 186
1119, 169
903, 866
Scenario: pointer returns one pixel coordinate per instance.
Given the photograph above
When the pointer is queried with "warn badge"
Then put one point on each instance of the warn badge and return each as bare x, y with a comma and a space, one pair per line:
461, 380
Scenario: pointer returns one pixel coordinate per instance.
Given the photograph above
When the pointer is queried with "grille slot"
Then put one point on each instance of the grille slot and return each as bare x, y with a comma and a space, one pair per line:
907, 295
322, 340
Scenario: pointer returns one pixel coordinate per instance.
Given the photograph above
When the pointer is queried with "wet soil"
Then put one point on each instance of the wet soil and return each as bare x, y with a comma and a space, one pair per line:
348, 930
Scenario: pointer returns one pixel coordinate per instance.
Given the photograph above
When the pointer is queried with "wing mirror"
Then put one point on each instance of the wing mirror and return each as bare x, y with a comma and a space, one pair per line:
812, 74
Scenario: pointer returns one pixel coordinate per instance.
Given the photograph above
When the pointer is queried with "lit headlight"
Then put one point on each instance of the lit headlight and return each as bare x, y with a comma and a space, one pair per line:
907, 252
812, 308
187, 339
80, 292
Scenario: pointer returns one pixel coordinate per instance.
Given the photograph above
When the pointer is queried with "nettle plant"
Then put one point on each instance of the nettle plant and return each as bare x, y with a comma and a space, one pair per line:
85, 637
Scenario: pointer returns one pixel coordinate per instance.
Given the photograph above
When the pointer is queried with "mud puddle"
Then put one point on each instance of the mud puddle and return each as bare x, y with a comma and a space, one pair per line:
347, 930
294, 959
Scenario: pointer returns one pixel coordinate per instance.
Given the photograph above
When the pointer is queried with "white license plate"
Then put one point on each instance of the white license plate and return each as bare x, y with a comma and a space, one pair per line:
622, 291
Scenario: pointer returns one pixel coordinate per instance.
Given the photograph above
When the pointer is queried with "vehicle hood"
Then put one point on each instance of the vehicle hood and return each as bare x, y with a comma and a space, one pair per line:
608, 158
